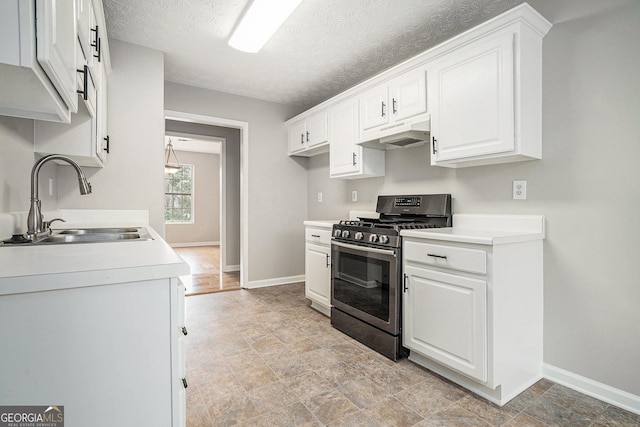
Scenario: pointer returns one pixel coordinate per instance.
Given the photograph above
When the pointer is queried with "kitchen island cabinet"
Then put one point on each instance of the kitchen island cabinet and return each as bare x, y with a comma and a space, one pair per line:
472, 302
97, 328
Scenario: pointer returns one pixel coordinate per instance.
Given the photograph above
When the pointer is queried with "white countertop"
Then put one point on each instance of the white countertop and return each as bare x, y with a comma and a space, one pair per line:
322, 224
35, 268
486, 229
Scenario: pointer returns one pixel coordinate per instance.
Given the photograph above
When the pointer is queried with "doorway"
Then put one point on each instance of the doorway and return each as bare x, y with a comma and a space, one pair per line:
234, 219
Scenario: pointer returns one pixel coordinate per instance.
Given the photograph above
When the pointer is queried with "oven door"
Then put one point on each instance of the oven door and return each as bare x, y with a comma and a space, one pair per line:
364, 284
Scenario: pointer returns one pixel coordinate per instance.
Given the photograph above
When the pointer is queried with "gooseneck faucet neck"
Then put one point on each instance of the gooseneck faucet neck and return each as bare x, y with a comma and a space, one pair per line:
34, 219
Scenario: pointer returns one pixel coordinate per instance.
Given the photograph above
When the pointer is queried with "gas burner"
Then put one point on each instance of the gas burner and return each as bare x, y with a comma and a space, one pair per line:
396, 213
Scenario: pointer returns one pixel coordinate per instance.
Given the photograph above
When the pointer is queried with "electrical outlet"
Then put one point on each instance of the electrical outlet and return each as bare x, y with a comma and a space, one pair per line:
319, 196
519, 190
354, 196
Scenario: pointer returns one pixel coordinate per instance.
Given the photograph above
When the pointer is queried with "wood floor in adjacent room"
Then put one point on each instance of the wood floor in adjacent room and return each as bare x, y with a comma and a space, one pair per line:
206, 277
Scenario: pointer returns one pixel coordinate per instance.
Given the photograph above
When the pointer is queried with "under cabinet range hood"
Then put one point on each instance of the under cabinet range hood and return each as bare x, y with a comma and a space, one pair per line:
403, 134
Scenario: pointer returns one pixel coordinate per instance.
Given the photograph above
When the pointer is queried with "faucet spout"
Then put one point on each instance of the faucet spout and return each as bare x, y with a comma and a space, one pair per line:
34, 219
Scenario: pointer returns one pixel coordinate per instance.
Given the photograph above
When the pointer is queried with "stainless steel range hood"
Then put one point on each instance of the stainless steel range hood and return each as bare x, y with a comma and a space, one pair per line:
405, 134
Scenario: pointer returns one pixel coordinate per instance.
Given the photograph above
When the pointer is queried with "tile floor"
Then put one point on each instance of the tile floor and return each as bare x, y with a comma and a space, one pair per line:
264, 358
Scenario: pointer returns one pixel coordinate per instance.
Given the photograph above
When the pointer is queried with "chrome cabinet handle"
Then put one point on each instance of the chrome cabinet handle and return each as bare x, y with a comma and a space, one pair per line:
184, 330
405, 286
107, 147
307, 136
394, 106
383, 105
184, 383
434, 144
302, 138
315, 235
354, 159
328, 263
437, 256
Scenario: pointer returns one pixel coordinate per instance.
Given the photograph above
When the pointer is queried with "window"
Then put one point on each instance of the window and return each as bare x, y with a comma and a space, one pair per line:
178, 196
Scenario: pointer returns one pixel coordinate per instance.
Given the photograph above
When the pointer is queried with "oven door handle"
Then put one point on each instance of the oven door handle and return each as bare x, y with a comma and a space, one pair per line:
365, 248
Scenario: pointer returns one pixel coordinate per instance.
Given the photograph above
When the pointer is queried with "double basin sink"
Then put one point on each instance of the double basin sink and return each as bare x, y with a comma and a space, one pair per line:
93, 235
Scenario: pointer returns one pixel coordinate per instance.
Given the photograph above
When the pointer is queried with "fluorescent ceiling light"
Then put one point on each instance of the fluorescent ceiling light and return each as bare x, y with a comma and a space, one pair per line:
258, 24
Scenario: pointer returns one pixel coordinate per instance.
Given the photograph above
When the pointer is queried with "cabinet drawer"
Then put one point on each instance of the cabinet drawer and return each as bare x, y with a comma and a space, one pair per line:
316, 235
453, 257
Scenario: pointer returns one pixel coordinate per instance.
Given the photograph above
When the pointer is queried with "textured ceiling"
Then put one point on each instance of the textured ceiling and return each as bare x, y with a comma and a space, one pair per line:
325, 47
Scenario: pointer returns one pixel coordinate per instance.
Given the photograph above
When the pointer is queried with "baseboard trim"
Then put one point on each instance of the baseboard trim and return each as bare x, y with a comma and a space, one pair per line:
274, 282
191, 245
230, 268
600, 391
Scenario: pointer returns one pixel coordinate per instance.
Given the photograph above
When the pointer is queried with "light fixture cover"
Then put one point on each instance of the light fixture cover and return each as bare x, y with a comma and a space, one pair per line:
258, 24
171, 167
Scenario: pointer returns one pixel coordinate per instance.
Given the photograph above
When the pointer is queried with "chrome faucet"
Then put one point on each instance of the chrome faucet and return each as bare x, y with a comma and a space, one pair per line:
36, 226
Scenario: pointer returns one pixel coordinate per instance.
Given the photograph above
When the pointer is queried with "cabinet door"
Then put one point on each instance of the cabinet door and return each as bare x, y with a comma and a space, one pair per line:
318, 273
408, 94
445, 319
56, 46
471, 100
316, 132
374, 108
102, 138
86, 22
297, 137
345, 156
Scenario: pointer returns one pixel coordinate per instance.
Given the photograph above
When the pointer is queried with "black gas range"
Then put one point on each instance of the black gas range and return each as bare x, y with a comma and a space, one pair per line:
366, 268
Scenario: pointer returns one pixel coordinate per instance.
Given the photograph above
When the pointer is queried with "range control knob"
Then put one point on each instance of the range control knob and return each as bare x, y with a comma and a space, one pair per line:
384, 239
345, 233
337, 233
359, 236
373, 238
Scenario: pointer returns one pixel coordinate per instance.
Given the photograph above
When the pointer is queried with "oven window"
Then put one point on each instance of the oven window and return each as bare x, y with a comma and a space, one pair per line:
363, 283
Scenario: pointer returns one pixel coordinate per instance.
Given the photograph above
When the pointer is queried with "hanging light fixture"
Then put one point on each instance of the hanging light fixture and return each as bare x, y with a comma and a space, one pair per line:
171, 167
260, 21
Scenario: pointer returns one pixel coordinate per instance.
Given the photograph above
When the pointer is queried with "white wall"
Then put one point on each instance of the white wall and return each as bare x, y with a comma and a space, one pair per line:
134, 175
586, 185
16, 161
277, 184
206, 201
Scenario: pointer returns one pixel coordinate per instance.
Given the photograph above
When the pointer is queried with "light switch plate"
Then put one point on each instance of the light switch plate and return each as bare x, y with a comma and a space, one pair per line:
319, 196
354, 196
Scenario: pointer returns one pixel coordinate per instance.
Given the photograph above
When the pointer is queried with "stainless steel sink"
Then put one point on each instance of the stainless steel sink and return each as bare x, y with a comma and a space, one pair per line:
101, 230
92, 235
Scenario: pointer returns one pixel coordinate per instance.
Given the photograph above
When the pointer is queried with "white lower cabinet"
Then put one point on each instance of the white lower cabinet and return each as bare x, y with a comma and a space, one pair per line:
446, 319
473, 313
318, 268
109, 354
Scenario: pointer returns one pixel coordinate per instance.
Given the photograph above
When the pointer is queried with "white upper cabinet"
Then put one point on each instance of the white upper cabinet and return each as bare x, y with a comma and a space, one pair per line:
38, 59
56, 46
85, 139
346, 158
309, 137
485, 97
386, 107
